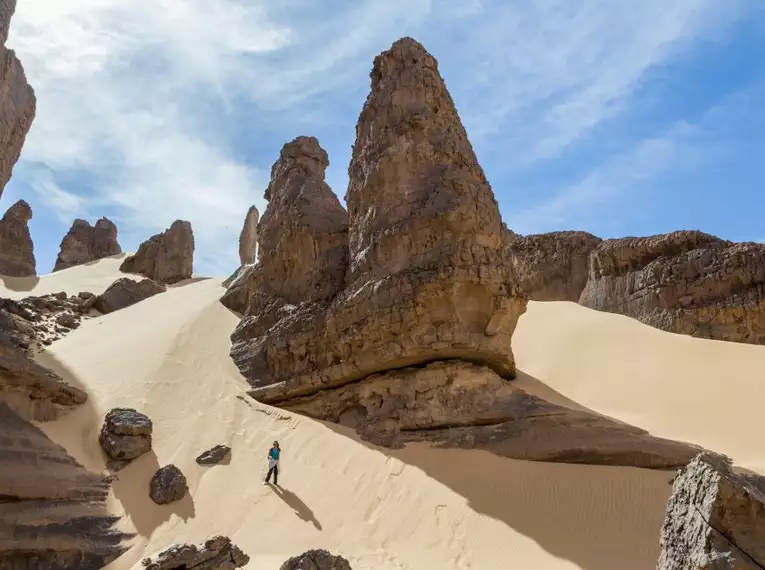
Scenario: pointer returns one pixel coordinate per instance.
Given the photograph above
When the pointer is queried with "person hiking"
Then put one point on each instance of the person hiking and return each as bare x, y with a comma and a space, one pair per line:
273, 463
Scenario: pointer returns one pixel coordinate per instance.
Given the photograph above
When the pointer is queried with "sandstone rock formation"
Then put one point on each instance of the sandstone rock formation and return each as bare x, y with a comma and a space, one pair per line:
52, 510
217, 553
17, 252
248, 239
213, 456
684, 282
551, 266
125, 292
84, 243
238, 289
715, 519
167, 257
17, 100
125, 435
316, 560
168, 485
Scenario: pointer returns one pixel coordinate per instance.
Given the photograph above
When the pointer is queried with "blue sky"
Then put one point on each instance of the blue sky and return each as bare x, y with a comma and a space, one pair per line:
614, 117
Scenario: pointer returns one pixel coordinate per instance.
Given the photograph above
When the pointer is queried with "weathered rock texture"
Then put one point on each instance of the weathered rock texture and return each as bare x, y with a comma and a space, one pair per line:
248, 239
17, 100
217, 553
715, 519
239, 287
684, 282
217, 454
168, 485
125, 292
167, 257
551, 266
424, 278
125, 435
52, 510
84, 243
316, 560
17, 252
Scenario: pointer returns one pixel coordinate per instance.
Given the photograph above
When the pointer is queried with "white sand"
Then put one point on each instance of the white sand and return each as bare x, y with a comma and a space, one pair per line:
415, 509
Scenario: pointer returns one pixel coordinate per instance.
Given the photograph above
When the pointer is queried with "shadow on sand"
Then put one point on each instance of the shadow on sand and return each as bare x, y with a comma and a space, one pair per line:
19, 284
302, 510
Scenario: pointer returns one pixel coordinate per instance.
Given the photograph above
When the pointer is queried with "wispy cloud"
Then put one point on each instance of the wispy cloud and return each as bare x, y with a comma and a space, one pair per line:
152, 110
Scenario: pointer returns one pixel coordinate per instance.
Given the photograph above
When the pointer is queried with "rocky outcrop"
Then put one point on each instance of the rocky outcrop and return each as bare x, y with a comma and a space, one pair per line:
125, 435
715, 519
17, 252
424, 278
18, 103
52, 510
216, 553
168, 485
316, 560
84, 243
238, 289
551, 266
216, 455
684, 282
125, 292
167, 257
248, 239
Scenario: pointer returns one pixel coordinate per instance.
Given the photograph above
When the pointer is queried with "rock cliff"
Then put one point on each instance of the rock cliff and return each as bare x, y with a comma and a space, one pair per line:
84, 243
248, 239
685, 282
17, 252
166, 258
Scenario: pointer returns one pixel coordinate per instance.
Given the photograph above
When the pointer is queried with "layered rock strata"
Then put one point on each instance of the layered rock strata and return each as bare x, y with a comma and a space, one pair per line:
684, 282
84, 243
17, 251
216, 553
167, 257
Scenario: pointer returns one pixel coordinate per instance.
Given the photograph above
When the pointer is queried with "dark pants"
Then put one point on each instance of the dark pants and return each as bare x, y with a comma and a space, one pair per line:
275, 471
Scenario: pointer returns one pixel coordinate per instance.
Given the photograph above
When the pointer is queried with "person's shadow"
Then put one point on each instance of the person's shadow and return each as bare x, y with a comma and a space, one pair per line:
296, 503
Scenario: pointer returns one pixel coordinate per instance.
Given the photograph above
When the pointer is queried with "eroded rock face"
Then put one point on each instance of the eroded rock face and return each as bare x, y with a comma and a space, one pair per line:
125, 434
17, 252
684, 282
52, 510
167, 257
168, 485
84, 243
18, 103
248, 239
551, 266
425, 278
316, 560
216, 553
239, 289
715, 519
125, 292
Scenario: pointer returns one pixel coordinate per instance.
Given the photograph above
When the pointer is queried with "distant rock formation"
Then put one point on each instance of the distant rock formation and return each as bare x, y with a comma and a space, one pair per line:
715, 519
18, 103
686, 282
316, 560
216, 553
125, 292
84, 243
17, 252
248, 239
551, 266
167, 257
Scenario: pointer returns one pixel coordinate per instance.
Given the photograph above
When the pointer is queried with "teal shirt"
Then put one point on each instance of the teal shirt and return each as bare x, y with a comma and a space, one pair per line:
273, 453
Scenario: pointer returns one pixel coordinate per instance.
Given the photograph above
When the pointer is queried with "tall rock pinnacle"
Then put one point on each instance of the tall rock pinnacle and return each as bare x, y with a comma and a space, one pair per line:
248, 239
17, 257
84, 243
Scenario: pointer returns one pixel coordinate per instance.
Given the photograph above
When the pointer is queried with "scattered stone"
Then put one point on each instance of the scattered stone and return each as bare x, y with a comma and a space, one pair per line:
215, 455
167, 257
715, 519
248, 239
316, 560
84, 243
125, 292
684, 282
168, 485
17, 256
217, 553
126, 434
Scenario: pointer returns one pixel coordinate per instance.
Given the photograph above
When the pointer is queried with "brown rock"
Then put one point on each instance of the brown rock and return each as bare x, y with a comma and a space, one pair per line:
168, 485
17, 100
715, 519
216, 553
248, 239
17, 256
125, 434
167, 257
52, 510
316, 560
84, 243
125, 292
215, 455
425, 278
551, 266
684, 282
238, 289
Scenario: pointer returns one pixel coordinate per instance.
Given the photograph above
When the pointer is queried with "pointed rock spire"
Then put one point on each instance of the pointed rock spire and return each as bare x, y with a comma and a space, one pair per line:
17, 256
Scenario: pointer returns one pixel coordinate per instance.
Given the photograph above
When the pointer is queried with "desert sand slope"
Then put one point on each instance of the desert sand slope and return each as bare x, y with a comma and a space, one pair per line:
414, 509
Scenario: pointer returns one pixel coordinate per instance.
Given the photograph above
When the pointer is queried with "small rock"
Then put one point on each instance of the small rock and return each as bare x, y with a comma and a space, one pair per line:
168, 485
68, 320
215, 455
126, 434
316, 560
217, 553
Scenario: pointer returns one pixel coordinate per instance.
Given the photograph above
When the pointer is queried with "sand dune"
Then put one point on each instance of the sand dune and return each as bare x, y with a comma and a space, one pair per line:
414, 509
